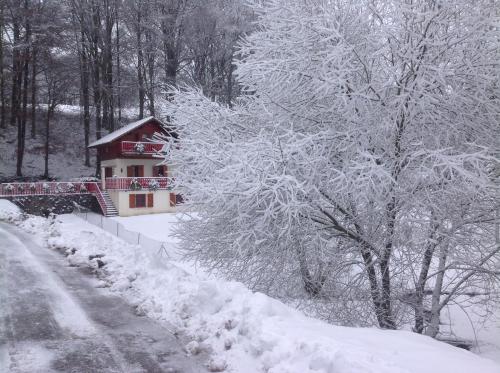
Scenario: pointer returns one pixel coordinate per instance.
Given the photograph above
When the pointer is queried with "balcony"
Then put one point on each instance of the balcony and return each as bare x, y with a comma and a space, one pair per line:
138, 183
140, 148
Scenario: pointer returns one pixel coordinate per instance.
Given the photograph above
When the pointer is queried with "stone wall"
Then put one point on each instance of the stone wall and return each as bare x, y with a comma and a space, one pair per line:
43, 205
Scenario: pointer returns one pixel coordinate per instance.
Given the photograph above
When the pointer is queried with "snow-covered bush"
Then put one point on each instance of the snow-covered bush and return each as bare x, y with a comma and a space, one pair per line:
358, 167
83, 188
46, 187
33, 187
153, 185
9, 188
71, 188
135, 185
60, 188
139, 147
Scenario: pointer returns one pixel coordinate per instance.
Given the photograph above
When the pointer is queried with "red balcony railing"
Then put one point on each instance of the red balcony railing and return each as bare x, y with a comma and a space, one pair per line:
140, 148
46, 188
137, 183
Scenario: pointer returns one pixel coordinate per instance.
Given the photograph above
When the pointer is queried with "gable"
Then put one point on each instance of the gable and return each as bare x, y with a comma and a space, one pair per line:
131, 132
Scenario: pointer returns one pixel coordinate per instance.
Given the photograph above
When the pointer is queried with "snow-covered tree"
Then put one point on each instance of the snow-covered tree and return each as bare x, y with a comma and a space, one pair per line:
359, 164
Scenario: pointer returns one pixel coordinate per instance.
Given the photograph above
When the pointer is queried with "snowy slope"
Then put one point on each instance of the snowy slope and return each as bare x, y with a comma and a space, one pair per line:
67, 150
245, 331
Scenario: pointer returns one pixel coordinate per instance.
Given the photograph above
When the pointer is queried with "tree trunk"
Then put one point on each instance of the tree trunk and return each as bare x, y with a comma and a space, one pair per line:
140, 63
422, 278
312, 285
16, 73
85, 78
108, 65
21, 123
374, 286
2, 78
433, 328
26, 61
97, 84
118, 71
33, 92
47, 136
150, 62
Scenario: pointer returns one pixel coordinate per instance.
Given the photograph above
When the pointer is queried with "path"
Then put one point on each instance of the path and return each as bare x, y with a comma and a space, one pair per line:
53, 318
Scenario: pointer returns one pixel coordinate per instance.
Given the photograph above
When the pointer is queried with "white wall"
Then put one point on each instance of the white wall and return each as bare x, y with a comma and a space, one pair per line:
161, 202
120, 165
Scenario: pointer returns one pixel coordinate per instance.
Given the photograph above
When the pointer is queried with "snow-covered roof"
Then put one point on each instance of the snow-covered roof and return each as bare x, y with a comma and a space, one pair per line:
120, 132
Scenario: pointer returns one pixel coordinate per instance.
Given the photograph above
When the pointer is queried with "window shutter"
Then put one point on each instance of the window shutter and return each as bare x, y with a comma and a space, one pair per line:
150, 199
141, 171
131, 200
156, 171
165, 170
130, 171
172, 199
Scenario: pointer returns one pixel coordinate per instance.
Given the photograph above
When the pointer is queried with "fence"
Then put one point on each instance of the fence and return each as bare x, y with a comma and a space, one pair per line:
45, 188
155, 247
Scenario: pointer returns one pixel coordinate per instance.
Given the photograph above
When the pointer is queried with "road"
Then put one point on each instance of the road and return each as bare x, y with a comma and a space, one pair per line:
54, 318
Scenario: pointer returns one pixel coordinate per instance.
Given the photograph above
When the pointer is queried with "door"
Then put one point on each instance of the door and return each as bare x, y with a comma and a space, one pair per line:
108, 171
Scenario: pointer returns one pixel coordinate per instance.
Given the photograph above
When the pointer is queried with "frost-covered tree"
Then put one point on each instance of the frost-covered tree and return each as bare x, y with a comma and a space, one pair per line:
359, 164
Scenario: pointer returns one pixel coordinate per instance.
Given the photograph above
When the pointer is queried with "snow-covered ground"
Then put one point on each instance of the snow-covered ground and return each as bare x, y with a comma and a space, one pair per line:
243, 331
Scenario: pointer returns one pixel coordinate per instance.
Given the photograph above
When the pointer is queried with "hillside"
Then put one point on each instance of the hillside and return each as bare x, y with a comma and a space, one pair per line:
67, 151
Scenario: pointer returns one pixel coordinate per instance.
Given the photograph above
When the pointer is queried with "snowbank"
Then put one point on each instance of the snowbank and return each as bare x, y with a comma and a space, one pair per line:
245, 331
8, 211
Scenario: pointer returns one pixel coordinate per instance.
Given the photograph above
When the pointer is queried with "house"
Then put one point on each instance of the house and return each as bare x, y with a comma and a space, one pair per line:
134, 181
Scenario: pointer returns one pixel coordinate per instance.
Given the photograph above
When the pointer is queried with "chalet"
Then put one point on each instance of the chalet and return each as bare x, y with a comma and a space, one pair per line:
134, 180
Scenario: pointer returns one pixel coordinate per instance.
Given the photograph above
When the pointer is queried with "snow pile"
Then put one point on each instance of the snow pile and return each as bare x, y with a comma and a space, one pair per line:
241, 330
9, 211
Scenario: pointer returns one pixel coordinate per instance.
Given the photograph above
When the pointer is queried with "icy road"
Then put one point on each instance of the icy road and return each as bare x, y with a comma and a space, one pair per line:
53, 318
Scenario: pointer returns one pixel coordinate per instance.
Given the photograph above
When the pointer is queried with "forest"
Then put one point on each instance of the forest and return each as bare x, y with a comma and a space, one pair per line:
341, 156
106, 56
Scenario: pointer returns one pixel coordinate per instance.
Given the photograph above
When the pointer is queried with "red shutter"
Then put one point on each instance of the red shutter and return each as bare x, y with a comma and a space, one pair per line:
131, 200
172, 199
141, 171
150, 199
156, 171
130, 171
165, 170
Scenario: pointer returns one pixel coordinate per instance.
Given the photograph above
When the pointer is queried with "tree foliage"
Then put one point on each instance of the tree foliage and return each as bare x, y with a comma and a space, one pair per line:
357, 169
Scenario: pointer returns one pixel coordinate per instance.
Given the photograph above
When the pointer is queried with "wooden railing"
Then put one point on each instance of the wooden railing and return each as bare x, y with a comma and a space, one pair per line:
45, 188
42, 188
137, 183
148, 148
96, 191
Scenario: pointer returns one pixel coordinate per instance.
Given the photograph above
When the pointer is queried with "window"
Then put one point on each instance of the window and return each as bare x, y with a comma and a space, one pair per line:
135, 171
139, 200
159, 171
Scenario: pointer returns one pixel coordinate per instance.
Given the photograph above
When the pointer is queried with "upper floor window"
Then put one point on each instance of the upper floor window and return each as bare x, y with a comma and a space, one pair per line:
135, 171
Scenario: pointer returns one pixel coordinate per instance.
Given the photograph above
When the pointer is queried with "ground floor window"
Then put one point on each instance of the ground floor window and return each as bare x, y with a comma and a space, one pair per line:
141, 200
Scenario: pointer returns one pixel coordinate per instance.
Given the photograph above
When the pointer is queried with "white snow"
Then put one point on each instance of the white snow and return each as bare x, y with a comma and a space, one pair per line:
8, 210
31, 357
245, 331
67, 312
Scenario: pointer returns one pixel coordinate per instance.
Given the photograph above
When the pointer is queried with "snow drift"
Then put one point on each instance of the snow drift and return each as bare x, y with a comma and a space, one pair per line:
243, 331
